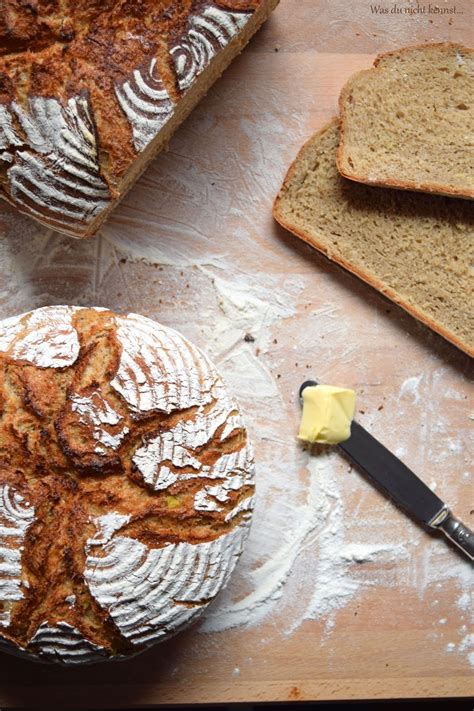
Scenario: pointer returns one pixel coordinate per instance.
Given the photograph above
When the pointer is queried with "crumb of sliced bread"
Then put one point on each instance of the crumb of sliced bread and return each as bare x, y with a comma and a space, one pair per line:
409, 121
416, 249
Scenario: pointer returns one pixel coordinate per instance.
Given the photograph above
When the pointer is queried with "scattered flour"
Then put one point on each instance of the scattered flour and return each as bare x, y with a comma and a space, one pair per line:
305, 560
314, 537
467, 645
410, 388
465, 602
368, 553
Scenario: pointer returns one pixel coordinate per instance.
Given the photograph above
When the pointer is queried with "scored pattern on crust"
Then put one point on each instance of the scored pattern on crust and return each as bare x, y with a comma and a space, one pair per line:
45, 337
144, 98
177, 446
99, 417
150, 593
179, 433
180, 378
55, 171
146, 103
55, 165
173, 456
236, 471
8, 136
16, 515
62, 642
207, 33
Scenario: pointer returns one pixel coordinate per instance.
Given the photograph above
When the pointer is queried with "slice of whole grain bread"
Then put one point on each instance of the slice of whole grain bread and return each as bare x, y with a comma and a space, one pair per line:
409, 121
416, 249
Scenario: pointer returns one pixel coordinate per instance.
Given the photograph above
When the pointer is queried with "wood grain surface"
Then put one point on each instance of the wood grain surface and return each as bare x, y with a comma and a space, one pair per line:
194, 245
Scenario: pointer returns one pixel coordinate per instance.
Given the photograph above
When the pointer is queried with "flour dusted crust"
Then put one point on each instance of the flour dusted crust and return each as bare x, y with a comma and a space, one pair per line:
126, 484
90, 90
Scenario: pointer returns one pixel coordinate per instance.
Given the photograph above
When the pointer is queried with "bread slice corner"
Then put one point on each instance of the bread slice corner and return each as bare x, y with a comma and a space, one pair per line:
408, 121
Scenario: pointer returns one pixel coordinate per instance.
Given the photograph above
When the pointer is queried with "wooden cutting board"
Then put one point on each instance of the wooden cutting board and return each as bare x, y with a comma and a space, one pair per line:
351, 600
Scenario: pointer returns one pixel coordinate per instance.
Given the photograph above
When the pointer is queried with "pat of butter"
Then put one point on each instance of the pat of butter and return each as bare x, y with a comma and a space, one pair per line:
327, 414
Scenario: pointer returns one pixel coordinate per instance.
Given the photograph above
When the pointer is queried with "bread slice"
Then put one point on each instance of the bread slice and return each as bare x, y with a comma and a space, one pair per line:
90, 92
416, 249
409, 121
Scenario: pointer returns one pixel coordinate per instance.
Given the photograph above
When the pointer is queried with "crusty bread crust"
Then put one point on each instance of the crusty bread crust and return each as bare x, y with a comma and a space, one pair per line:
364, 275
426, 187
126, 483
104, 85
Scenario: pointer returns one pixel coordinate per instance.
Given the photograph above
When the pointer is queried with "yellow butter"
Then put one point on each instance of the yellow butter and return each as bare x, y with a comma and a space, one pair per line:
327, 414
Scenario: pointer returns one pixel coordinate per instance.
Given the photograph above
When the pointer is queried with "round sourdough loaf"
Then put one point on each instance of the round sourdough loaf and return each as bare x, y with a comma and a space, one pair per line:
126, 484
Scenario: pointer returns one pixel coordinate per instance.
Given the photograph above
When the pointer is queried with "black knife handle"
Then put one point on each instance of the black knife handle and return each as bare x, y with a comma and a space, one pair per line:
457, 532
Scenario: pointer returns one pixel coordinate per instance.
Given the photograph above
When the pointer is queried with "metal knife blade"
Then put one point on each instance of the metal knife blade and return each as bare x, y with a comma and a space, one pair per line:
402, 484
392, 475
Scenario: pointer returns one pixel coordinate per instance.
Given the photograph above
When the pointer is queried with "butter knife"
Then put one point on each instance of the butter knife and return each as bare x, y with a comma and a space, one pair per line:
402, 485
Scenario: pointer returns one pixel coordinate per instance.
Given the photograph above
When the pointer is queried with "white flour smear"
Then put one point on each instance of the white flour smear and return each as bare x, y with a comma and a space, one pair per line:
319, 539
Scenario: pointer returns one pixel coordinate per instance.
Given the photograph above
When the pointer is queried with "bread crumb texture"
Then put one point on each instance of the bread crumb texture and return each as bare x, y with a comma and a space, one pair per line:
86, 86
409, 121
415, 248
126, 484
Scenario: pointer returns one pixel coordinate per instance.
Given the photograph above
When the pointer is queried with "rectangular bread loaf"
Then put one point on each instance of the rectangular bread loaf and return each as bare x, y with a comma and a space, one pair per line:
92, 90
409, 121
415, 248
